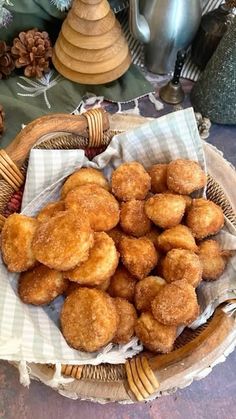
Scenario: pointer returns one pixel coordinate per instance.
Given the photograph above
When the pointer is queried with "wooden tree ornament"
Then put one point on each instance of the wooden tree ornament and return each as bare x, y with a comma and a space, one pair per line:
91, 48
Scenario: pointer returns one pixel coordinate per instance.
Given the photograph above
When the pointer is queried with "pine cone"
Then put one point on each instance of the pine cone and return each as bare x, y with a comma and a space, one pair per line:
6, 62
2, 117
32, 50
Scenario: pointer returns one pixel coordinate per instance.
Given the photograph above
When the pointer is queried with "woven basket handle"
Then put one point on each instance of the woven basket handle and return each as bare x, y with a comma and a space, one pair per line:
91, 125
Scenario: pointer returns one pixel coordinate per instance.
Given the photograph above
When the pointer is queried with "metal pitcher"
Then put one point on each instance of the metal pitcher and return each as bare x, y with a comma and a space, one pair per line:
165, 26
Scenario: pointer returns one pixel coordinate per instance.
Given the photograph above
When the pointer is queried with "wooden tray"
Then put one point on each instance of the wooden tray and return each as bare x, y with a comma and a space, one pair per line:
147, 375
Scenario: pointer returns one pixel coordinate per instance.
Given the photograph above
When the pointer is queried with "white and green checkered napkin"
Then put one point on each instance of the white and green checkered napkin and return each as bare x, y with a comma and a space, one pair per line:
32, 334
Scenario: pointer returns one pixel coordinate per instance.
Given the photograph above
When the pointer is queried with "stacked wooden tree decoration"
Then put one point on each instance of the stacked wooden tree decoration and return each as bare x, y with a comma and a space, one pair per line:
91, 48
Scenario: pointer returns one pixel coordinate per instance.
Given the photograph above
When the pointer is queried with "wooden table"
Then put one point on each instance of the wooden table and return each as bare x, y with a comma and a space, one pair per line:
213, 397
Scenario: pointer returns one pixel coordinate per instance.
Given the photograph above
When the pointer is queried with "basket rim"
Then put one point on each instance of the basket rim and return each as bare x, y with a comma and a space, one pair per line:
41, 143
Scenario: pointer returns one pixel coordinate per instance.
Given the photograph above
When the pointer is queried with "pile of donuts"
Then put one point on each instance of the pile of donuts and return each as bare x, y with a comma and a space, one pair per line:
126, 255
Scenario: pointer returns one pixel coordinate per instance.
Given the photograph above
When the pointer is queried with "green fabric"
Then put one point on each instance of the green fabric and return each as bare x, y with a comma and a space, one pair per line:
29, 14
65, 95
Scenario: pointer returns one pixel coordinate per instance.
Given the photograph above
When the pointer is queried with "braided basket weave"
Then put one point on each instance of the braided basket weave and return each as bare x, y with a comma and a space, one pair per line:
147, 375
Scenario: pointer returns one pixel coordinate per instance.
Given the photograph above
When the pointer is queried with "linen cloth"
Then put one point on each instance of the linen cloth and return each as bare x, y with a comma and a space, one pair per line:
32, 334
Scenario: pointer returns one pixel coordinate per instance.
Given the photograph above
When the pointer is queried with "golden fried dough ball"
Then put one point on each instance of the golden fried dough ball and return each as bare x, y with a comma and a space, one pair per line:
122, 284
116, 234
83, 177
213, 259
41, 285
146, 290
187, 198
182, 264
138, 255
156, 337
16, 238
127, 317
100, 265
50, 210
165, 210
179, 237
101, 208
176, 304
63, 241
130, 181
185, 176
158, 174
153, 236
133, 219
89, 319
204, 218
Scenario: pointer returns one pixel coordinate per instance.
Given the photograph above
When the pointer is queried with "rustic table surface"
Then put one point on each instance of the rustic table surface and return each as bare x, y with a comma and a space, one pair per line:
213, 397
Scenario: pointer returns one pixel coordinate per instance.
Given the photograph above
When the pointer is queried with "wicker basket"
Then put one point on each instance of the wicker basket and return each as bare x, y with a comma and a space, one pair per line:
147, 375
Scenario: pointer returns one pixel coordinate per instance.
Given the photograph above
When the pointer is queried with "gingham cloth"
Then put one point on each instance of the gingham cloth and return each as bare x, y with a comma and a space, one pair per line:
32, 334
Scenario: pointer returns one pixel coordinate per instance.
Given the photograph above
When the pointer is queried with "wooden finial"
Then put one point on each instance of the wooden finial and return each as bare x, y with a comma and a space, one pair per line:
91, 48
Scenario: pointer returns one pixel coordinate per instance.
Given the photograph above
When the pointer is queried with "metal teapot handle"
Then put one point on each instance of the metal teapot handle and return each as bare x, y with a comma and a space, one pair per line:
138, 25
